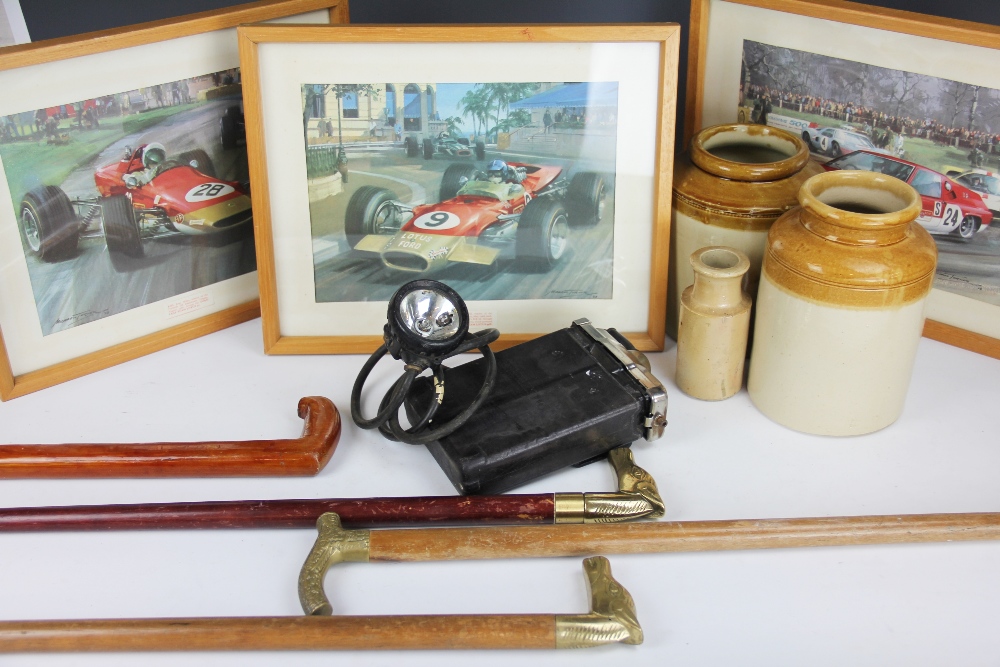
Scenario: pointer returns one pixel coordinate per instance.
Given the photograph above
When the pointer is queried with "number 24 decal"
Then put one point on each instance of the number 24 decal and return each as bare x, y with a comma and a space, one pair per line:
952, 214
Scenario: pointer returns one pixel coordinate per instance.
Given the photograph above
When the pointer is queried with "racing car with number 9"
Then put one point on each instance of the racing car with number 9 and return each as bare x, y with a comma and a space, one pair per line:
476, 221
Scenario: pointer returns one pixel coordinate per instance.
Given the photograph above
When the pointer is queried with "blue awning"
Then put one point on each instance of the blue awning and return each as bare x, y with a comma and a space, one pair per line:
591, 94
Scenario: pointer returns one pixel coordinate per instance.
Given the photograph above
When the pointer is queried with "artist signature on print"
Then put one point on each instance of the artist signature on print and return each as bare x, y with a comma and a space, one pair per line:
82, 317
950, 278
571, 294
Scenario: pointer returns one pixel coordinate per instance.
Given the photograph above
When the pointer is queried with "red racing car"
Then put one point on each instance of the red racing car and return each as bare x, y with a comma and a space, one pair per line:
477, 219
946, 206
139, 198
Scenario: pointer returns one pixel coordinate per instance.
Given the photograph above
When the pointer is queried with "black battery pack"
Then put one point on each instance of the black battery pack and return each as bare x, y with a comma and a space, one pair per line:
563, 399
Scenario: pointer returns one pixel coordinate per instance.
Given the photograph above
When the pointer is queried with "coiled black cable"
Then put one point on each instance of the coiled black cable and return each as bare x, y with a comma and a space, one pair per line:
386, 420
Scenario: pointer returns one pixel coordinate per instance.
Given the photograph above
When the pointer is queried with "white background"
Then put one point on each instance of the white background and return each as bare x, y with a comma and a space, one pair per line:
730, 24
908, 605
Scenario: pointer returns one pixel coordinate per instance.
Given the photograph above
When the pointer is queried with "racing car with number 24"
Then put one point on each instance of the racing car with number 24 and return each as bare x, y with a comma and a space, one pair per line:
475, 220
946, 206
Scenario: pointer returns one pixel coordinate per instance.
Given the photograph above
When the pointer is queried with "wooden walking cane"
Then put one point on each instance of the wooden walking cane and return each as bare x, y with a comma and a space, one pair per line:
303, 456
611, 619
636, 498
334, 544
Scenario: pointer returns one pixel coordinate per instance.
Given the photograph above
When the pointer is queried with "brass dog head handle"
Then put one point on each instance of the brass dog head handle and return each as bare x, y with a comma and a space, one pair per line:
611, 619
637, 496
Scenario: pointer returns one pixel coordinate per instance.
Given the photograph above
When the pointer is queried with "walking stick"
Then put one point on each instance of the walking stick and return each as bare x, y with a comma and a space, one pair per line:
334, 544
637, 497
611, 619
303, 456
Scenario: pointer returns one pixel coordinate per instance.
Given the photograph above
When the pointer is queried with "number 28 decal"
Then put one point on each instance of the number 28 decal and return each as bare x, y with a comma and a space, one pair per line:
207, 191
437, 220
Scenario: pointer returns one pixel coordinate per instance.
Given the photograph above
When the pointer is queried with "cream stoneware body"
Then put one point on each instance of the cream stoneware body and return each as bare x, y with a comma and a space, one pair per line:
735, 181
714, 321
840, 307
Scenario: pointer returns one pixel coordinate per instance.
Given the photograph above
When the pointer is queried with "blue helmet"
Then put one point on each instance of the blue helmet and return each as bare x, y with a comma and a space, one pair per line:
497, 168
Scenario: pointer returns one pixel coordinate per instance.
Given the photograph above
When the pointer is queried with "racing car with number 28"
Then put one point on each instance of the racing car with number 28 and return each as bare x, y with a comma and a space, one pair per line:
139, 198
476, 219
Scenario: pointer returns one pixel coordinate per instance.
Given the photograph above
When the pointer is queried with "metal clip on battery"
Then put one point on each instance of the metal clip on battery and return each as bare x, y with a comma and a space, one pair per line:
428, 322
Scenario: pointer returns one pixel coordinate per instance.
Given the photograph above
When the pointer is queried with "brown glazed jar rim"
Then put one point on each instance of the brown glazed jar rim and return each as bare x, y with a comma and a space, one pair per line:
813, 189
751, 135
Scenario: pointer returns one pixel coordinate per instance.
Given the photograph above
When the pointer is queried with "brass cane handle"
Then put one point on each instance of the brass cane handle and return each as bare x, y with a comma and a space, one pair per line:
333, 545
612, 617
637, 496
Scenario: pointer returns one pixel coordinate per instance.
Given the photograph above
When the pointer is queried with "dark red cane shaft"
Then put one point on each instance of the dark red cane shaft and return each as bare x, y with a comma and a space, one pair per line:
355, 513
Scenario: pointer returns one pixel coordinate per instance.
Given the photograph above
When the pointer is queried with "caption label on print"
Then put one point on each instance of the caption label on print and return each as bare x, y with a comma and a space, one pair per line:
189, 304
480, 319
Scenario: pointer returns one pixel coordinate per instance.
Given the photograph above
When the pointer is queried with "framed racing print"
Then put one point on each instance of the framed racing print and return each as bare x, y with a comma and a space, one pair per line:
912, 96
538, 189
125, 212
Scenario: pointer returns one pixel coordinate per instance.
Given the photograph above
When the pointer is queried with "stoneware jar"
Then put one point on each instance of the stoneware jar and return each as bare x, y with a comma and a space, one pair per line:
840, 307
728, 189
714, 321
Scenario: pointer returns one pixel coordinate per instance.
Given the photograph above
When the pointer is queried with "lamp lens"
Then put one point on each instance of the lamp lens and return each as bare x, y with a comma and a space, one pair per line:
429, 314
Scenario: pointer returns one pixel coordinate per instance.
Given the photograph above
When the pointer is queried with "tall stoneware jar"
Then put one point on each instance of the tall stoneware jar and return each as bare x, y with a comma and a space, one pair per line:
840, 308
728, 189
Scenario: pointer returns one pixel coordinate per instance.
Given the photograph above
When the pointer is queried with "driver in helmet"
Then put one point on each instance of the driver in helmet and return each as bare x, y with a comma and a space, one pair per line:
154, 158
500, 172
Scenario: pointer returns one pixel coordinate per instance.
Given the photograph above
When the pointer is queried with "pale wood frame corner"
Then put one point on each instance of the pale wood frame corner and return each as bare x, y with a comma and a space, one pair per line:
26, 55
843, 11
667, 35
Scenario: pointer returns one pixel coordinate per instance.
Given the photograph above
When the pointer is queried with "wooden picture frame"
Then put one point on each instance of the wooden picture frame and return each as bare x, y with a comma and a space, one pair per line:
95, 68
849, 31
295, 320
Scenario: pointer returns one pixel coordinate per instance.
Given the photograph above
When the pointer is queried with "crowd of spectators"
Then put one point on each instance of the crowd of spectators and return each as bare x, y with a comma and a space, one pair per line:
880, 126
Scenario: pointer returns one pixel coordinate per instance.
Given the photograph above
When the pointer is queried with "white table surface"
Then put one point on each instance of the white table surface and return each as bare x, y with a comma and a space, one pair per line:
936, 604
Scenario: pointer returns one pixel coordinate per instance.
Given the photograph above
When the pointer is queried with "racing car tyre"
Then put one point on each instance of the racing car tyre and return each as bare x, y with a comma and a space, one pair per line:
48, 223
967, 228
480, 150
228, 132
121, 231
199, 160
463, 140
835, 149
454, 178
585, 199
428, 149
542, 235
363, 210
410, 144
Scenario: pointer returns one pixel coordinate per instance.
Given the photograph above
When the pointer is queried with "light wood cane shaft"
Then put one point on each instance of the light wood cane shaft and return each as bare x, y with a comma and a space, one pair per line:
285, 633
429, 544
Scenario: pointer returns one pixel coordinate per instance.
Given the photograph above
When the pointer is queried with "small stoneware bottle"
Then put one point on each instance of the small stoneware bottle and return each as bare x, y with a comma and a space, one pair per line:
714, 321
728, 189
840, 308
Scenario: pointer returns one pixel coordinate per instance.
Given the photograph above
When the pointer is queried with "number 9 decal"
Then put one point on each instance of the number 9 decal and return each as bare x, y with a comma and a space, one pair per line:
437, 220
